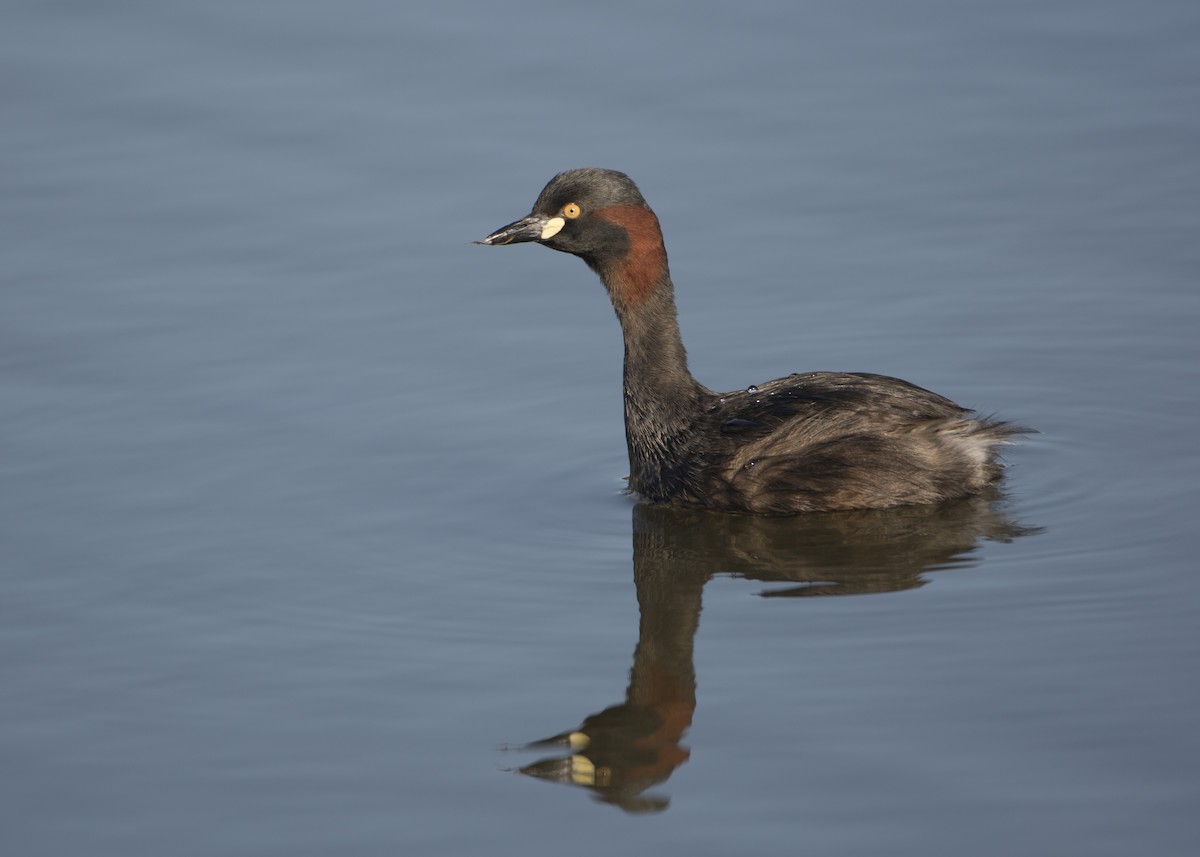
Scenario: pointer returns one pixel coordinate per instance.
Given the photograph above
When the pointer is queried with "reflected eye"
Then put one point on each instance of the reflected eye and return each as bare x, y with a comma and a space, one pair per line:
571, 210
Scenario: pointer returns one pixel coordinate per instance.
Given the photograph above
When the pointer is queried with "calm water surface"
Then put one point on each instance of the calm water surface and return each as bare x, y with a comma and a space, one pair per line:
311, 513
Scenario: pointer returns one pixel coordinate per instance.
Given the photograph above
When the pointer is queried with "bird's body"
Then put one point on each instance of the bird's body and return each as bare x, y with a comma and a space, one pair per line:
819, 441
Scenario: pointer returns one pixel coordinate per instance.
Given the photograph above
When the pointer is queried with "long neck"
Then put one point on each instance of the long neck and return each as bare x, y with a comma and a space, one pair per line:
659, 388
661, 396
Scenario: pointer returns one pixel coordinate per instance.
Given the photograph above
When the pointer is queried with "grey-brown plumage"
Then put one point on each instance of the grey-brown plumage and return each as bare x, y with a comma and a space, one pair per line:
819, 441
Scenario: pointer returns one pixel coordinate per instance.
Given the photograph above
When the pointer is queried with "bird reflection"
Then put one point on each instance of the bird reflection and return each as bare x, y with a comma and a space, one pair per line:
622, 751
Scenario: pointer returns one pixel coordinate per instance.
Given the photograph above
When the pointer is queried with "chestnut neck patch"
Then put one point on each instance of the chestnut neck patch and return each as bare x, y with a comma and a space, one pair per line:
645, 263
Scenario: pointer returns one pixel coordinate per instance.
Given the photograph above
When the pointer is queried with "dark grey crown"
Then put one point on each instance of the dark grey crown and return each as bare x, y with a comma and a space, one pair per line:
592, 187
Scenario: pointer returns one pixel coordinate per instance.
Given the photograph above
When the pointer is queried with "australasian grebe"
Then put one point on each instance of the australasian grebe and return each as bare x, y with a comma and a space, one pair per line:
818, 441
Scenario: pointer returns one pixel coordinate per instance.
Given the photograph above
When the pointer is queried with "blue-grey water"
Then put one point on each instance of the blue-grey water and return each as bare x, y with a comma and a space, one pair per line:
311, 512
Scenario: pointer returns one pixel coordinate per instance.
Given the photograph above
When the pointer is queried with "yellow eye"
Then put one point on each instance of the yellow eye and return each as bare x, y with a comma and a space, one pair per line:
571, 210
